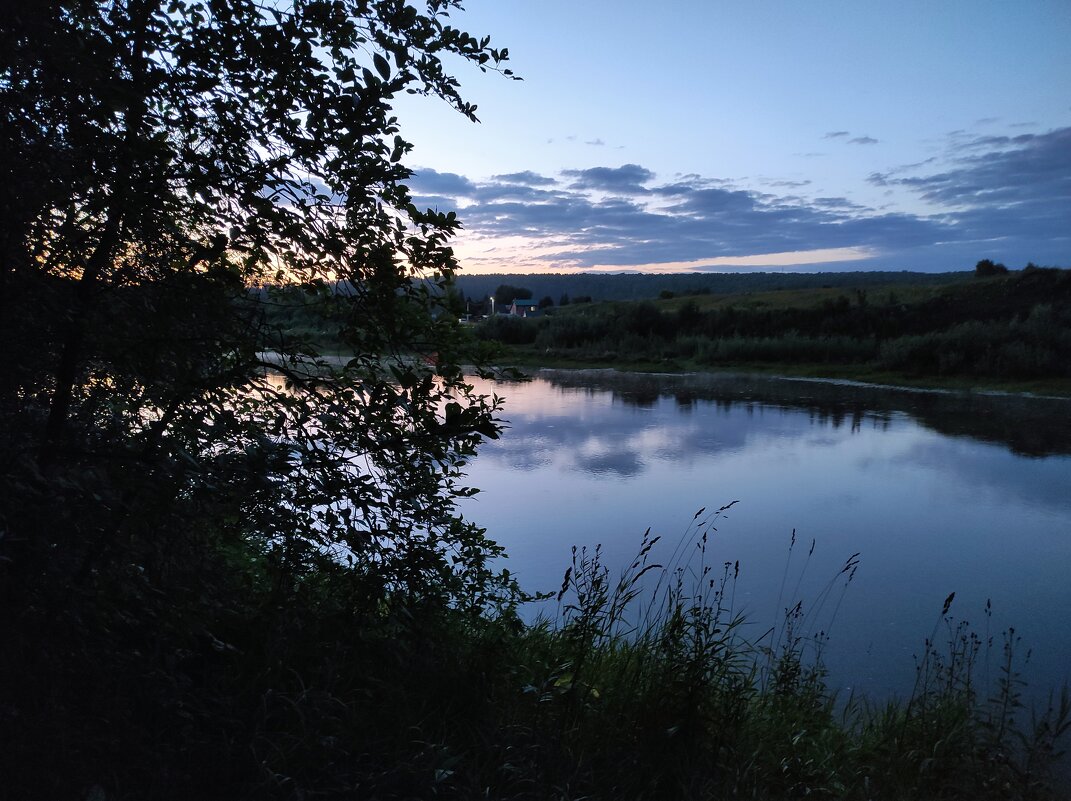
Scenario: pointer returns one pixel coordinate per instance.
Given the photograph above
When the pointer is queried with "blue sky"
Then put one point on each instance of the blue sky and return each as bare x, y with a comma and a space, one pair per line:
755, 135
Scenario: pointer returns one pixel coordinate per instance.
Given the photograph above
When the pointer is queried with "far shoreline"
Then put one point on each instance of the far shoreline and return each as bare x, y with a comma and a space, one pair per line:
1042, 389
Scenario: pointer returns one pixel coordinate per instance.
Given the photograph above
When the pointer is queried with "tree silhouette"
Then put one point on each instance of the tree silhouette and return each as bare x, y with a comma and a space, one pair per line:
171, 459
987, 268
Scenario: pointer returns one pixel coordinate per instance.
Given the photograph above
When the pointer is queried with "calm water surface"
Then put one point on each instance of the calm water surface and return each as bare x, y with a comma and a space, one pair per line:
938, 493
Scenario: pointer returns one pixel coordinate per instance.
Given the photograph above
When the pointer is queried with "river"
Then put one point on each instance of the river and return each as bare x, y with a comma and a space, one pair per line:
937, 492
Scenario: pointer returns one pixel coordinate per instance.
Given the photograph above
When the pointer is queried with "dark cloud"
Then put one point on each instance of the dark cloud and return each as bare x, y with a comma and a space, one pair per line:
1013, 189
709, 202
1017, 188
528, 178
428, 181
488, 193
626, 178
863, 140
701, 220
1006, 196
835, 134
595, 142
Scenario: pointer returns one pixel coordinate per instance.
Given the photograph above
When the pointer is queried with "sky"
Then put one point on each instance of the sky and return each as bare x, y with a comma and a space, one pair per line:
756, 135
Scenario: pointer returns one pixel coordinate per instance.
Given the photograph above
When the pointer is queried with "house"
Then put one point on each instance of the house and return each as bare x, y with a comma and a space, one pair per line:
524, 308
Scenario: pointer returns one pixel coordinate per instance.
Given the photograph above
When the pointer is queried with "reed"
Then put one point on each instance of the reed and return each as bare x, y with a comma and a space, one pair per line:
646, 686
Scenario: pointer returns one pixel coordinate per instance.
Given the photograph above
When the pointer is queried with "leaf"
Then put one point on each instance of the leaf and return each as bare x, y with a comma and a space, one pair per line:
382, 67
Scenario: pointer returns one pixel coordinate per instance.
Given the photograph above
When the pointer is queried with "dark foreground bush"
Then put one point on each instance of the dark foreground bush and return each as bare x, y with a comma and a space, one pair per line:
639, 688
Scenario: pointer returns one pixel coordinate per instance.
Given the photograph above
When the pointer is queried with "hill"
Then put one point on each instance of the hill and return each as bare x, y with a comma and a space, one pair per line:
638, 286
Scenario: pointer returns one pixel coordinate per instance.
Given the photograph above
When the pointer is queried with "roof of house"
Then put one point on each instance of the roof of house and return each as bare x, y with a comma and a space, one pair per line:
525, 303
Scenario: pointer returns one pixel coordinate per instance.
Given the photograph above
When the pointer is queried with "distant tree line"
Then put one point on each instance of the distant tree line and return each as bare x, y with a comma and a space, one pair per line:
640, 286
1017, 327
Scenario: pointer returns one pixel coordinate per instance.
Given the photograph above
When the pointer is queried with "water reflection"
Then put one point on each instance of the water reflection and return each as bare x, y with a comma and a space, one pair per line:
938, 492
1032, 426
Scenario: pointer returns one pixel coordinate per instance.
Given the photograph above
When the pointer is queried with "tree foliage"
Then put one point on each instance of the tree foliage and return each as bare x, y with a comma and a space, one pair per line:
167, 167
505, 294
987, 268
166, 157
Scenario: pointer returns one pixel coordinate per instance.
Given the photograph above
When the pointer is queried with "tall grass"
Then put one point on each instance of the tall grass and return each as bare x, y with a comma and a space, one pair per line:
642, 685
645, 686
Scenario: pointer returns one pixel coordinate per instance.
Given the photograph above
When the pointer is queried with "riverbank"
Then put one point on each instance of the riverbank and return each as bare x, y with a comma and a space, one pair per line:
526, 359
529, 361
1009, 333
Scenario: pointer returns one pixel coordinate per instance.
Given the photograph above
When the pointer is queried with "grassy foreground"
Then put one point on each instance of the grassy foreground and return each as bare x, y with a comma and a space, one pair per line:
641, 687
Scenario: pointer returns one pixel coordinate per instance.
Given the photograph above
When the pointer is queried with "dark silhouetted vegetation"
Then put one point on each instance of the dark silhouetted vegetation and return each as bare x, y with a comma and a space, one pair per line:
233, 568
505, 294
987, 268
646, 286
190, 498
1016, 326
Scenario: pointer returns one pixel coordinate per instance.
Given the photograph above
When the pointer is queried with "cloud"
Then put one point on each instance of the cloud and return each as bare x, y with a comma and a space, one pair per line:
626, 178
836, 203
528, 178
1012, 183
438, 202
1008, 195
858, 140
1011, 190
428, 181
790, 184
690, 220
595, 142
487, 193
